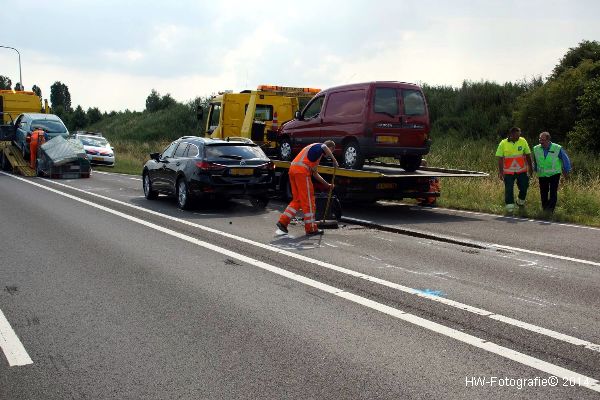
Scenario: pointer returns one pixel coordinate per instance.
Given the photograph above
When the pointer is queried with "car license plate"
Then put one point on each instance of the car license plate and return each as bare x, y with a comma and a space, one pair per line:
97, 158
74, 167
241, 171
387, 139
386, 186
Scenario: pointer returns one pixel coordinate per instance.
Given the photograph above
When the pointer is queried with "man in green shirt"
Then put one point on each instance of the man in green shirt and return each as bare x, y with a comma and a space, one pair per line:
550, 160
514, 165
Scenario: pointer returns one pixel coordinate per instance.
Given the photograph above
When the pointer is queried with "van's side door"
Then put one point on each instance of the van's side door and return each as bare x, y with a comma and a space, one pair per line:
308, 129
343, 116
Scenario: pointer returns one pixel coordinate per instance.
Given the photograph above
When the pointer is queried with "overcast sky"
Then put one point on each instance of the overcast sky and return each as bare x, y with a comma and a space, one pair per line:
111, 54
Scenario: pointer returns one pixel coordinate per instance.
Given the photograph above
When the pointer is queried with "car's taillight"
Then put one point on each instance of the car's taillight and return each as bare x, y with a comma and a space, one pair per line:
270, 166
209, 166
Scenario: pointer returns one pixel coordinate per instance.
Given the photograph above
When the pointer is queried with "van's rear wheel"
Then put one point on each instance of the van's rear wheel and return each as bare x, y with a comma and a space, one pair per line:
353, 156
285, 150
410, 163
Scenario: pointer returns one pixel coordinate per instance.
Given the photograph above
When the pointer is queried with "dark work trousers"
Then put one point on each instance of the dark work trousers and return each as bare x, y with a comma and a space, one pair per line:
509, 184
549, 191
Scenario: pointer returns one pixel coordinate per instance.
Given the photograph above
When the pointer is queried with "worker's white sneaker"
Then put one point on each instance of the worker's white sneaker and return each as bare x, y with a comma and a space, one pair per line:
510, 207
520, 203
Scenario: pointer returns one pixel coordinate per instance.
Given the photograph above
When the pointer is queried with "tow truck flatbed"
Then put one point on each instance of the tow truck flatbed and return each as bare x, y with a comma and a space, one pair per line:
377, 181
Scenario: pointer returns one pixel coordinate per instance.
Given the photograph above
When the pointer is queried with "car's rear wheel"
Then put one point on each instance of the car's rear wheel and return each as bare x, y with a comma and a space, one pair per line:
285, 150
410, 163
24, 152
149, 193
184, 200
353, 157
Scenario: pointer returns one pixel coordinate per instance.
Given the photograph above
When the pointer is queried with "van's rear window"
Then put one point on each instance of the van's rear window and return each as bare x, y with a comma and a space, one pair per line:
414, 104
386, 101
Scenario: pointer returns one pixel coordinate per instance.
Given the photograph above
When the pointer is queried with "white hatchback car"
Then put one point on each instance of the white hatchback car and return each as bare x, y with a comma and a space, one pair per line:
97, 148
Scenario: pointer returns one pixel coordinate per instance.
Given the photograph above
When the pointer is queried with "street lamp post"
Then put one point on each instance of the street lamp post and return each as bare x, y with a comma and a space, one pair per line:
20, 75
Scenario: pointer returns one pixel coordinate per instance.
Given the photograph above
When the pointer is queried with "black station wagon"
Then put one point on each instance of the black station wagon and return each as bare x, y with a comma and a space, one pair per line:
195, 168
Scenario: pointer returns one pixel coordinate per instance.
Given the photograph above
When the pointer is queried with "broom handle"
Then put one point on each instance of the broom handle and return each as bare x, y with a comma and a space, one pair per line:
329, 196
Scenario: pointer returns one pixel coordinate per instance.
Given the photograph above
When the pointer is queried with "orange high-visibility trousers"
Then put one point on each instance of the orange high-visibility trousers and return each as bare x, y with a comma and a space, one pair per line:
303, 198
37, 139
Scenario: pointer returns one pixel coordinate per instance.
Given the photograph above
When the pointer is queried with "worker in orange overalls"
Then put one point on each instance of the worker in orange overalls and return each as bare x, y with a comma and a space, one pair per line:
434, 186
303, 168
38, 137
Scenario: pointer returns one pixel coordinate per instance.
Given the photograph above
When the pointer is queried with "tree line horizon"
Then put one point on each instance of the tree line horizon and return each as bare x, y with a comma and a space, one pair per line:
566, 104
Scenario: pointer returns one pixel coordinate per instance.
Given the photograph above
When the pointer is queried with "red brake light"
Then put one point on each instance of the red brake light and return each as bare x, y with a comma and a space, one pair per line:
270, 166
208, 166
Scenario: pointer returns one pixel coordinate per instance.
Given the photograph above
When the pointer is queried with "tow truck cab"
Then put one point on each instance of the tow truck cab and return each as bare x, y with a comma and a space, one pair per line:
254, 114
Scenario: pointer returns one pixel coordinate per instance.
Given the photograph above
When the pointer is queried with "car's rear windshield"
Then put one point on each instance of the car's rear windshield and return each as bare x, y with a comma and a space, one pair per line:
93, 141
244, 151
49, 126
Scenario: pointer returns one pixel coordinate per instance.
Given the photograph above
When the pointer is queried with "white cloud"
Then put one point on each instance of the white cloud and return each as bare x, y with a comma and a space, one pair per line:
191, 49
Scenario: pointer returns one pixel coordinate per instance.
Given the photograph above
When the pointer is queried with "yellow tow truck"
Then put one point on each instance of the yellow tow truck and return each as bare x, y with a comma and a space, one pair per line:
13, 103
254, 114
258, 114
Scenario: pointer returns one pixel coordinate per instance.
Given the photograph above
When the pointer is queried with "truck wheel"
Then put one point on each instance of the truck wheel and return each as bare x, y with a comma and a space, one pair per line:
184, 200
353, 157
148, 192
259, 202
285, 150
38, 170
410, 163
4, 162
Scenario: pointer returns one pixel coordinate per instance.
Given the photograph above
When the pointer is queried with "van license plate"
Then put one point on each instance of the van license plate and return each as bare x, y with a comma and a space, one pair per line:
241, 171
97, 158
386, 139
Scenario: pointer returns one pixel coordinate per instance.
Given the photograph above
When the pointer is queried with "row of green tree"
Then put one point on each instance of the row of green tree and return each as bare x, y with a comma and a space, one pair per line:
567, 104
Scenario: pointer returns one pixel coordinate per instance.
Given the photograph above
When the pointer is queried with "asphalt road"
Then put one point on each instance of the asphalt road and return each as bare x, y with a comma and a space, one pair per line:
106, 295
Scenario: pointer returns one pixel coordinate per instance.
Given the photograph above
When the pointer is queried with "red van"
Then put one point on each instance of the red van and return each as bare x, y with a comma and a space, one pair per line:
365, 120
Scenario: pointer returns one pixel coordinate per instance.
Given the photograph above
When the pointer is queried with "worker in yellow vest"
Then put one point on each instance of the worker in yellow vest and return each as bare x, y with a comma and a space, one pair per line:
514, 165
550, 160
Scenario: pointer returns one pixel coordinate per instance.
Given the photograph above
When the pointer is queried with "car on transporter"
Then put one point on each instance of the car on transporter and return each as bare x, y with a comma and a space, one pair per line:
26, 123
194, 168
366, 121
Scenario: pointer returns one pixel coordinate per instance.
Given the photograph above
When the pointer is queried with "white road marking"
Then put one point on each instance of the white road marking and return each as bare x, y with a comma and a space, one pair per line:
541, 253
540, 221
132, 177
465, 307
474, 341
11, 345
